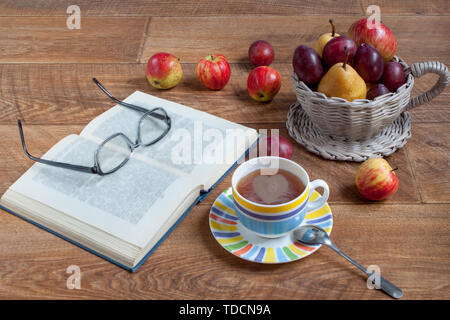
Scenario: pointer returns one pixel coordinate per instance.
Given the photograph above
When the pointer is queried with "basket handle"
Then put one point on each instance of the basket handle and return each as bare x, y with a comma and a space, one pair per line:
421, 68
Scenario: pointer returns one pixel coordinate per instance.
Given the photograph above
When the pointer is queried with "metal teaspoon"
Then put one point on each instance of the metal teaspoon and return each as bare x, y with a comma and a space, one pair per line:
310, 234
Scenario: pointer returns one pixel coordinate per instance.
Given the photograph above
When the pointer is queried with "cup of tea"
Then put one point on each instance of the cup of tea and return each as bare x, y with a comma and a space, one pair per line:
271, 195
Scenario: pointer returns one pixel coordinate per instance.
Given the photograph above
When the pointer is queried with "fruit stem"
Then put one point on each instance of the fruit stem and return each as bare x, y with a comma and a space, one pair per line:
396, 168
346, 58
332, 27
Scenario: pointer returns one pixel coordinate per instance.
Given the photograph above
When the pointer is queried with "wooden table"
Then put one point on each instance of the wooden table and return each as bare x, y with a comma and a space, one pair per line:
45, 79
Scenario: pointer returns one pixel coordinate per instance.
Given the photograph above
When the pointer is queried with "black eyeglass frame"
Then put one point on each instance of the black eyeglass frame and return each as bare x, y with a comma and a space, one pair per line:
96, 168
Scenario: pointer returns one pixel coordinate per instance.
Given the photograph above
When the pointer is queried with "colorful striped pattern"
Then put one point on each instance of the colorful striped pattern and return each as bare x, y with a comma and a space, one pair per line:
270, 217
270, 209
232, 236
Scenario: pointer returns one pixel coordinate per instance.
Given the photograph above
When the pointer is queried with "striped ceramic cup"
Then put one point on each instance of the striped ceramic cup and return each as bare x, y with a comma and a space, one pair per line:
272, 221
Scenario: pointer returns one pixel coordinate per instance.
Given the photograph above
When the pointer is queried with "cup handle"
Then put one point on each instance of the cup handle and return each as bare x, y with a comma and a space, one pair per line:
421, 68
313, 205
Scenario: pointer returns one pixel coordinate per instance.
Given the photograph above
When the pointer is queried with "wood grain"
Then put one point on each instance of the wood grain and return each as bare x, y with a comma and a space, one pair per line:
118, 39
191, 265
65, 93
219, 7
37, 94
429, 152
419, 37
45, 79
39, 140
48, 40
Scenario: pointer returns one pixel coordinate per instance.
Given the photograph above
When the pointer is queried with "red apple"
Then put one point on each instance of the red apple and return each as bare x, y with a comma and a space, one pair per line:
378, 35
263, 83
376, 180
261, 53
275, 145
213, 71
164, 70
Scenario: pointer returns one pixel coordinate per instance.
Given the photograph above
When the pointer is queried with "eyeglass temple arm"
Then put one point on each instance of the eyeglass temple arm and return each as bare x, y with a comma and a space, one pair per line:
137, 108
53, 163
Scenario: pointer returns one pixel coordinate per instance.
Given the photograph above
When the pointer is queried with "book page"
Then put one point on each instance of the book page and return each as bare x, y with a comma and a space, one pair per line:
116, 203
136, 200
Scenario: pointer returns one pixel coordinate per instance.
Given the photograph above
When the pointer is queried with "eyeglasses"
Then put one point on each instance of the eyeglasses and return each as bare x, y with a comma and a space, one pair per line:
115, 151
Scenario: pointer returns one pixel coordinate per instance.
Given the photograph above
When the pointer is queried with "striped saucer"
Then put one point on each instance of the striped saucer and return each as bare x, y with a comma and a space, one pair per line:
243, 243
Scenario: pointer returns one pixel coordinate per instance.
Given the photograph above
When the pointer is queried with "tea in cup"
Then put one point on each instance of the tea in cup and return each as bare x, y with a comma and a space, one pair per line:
271, 195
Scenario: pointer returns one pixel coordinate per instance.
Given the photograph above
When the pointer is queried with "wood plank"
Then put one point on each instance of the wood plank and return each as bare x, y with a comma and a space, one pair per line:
45, 79
65, 93
191, 265
48, 40
39, 140
419, 37
216, 7
339, 175
37, 93
429, 152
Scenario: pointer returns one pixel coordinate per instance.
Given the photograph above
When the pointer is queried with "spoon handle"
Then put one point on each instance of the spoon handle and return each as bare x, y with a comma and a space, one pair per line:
360, 267
390, 288
385, 285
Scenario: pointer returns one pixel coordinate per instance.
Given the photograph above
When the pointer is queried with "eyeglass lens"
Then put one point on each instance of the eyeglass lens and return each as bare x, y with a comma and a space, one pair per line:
113, 153
116, 150
151, 128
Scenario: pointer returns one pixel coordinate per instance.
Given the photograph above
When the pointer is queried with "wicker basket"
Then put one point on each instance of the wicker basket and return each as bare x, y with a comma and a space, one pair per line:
363, 119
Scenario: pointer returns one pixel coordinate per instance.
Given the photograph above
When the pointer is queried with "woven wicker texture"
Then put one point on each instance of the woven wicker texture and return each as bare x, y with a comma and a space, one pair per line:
303, 130
338, 129
363, 119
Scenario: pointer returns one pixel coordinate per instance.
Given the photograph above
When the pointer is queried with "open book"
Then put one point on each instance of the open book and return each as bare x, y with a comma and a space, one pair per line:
123, 216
